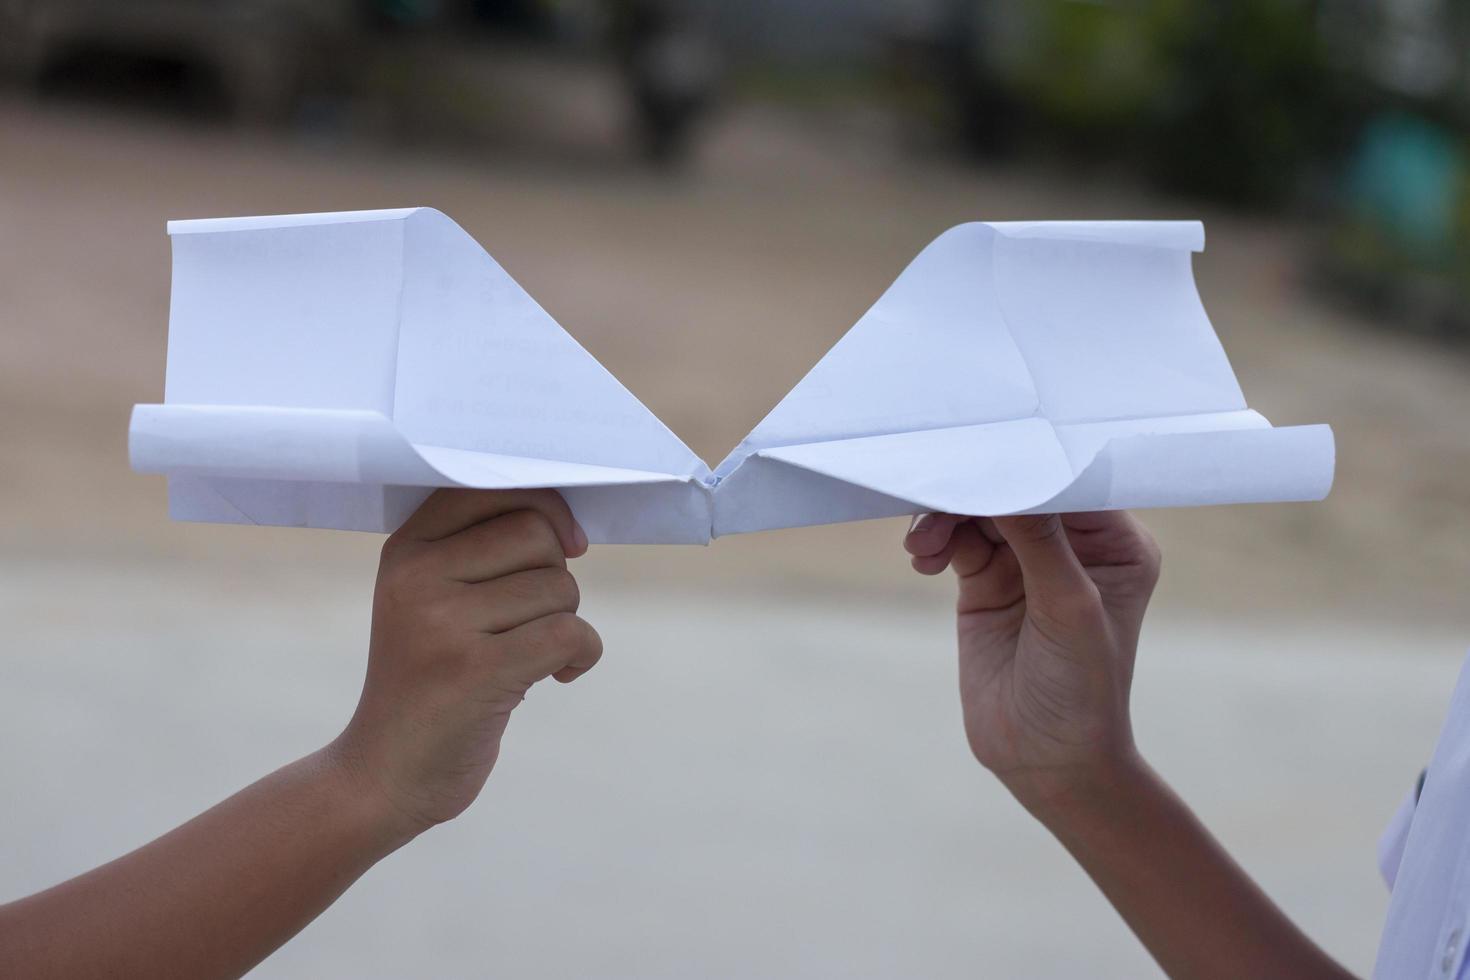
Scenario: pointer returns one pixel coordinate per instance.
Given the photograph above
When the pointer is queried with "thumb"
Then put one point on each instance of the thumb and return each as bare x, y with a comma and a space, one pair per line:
1054, 578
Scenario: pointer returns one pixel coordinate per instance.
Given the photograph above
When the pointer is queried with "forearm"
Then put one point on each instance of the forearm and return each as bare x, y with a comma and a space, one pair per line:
1191, 905
215, 896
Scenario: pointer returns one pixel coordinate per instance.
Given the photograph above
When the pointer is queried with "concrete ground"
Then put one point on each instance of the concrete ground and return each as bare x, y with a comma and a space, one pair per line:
765, 776
744, 787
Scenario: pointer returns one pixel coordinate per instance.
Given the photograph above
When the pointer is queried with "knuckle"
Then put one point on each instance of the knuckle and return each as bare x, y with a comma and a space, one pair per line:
591, 642
533, 531
1153, 555
1153, 565
1139, 550
550, 502
398, 550
402, 576
563, 629
393, 546
522, 587
569, 632
453, 495
550, 587
1036, 527
563, 587
518, 523
549, 499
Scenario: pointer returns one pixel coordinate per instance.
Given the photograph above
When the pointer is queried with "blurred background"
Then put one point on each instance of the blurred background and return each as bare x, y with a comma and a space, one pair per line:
766, 775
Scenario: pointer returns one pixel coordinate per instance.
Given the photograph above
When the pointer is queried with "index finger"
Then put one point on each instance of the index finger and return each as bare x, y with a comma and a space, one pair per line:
1052, 572
929, 534
450, 511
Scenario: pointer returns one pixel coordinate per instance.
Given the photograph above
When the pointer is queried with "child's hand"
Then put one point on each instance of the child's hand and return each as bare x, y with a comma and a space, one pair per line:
1049, 615
474, 604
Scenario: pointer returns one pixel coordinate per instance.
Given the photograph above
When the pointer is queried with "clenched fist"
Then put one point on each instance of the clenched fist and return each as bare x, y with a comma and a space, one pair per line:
474, 604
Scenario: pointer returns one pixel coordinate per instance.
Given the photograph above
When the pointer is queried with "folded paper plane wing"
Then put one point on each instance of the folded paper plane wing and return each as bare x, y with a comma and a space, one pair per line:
1024, 366
318, 365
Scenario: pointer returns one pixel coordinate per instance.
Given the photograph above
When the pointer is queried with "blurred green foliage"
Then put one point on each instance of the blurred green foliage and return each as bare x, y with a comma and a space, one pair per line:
1091, 68
1251, 103
1226, 100
1400, 243
1354, 110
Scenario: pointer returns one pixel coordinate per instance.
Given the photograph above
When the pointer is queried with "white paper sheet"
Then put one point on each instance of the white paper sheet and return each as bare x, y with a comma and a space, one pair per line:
328, 370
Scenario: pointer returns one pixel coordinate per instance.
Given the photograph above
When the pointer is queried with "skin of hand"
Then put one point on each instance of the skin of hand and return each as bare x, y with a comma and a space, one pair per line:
473, 605
1048, 618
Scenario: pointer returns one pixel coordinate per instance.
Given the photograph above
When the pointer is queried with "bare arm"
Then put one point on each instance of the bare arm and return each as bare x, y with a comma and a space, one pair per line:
1184, 897
215, 896
473, 605
1049, 615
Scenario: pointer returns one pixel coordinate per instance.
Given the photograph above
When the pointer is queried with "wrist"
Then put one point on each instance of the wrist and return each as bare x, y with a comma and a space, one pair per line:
1076, 797
361, 796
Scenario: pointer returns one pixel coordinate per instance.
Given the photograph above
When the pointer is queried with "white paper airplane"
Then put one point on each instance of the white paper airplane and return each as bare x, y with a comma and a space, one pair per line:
328, 370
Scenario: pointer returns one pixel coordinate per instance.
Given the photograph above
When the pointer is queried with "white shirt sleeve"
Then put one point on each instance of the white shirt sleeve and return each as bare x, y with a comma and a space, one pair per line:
1425, 855
1395, 836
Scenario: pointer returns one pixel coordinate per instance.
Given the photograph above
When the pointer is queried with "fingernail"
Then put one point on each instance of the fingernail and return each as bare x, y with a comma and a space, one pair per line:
921, 522
579, 538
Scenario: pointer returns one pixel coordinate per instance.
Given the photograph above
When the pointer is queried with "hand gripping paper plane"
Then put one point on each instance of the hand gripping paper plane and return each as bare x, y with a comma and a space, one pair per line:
328, 370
